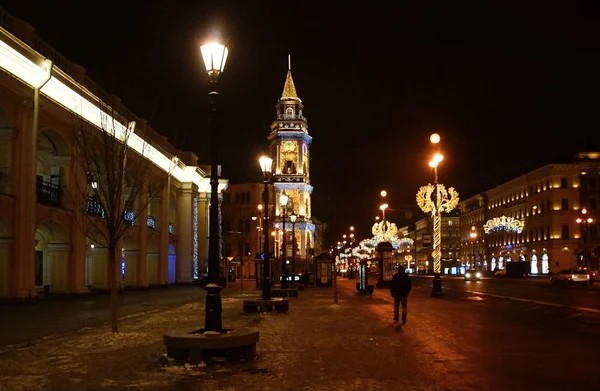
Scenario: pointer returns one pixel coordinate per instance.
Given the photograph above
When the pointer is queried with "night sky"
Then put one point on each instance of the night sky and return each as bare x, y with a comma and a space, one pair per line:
509, 86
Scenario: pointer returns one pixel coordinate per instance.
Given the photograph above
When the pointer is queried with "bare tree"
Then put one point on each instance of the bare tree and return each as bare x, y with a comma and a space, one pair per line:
320, 236
112, 170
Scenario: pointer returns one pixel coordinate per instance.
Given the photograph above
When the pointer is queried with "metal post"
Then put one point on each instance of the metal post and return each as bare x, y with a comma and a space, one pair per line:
585, 242
284, 251
266, 288
213, 307
293, 247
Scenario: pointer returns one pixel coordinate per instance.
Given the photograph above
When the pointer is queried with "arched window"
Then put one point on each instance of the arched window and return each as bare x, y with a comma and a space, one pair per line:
289, 112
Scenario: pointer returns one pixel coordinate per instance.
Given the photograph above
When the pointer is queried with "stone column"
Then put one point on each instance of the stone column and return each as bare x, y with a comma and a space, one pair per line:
163, 228
23, 284
58, 260
73, 181
6, 251
142, 205
183, 273
131, 268
7, 168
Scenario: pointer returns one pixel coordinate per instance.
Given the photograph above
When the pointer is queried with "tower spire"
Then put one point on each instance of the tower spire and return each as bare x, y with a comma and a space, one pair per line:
289, 89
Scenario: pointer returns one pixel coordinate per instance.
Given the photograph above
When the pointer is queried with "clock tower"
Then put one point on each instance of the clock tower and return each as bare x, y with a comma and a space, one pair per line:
290, 149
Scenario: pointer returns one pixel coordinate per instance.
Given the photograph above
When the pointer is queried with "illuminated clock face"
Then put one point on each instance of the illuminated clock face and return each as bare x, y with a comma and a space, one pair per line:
289, 146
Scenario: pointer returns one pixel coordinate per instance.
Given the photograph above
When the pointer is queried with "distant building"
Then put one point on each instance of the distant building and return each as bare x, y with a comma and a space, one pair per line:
242, 216
534, 218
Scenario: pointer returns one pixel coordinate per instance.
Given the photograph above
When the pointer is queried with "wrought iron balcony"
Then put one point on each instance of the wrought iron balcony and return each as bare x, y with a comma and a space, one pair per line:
48, 193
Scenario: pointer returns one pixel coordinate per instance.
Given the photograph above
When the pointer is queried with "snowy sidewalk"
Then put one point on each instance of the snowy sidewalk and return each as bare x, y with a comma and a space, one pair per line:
317, 346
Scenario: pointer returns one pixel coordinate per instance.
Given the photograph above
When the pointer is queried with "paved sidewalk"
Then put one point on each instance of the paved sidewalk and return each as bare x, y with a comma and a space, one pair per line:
44, 318
317, 346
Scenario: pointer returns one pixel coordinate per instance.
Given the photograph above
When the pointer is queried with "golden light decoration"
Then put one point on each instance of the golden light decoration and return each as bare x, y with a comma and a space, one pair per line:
503, 223
445, 201
385, 229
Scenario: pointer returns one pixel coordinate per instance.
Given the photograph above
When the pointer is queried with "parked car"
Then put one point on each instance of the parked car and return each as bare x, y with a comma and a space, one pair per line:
571, 276
472, 275
593, 274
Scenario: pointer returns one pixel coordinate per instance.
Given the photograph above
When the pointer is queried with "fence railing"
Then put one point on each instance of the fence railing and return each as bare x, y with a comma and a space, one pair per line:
48, 193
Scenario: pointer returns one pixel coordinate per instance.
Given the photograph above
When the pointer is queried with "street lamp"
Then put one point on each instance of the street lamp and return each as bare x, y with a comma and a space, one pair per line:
214, 56
293, 220
383, 193
584, 222
383, 207
473, 236
266, 165
436, 199
283, 200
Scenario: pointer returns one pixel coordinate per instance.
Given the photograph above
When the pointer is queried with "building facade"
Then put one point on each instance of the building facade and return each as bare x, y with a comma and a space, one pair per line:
290, 149
534, 218
243, 235
48, 242
473, 215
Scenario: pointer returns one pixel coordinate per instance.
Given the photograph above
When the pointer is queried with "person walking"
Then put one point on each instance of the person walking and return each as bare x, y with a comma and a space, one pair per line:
401, 286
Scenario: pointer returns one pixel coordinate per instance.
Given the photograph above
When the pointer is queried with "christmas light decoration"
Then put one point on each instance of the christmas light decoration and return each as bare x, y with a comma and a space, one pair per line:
195, 271
444, 201
503, 223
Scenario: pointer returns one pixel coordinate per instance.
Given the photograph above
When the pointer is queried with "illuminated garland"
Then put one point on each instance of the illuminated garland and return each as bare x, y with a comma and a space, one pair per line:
503, 223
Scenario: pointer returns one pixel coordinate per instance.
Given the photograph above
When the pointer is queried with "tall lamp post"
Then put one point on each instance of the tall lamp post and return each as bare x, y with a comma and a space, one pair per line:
383, 207
214, 56
436, 199
293, 220
266, 165
584, 221
283, 200
473, 236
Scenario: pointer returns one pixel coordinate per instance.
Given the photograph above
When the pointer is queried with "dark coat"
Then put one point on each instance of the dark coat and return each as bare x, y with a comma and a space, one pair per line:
401, 285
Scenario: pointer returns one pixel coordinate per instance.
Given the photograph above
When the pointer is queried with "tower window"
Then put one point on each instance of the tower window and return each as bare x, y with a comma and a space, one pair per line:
289, 167
289, 111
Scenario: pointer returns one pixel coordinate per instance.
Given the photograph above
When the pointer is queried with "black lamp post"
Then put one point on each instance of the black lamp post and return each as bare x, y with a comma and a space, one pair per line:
283, 200
266, 165
584, 220
293, 220
214, 56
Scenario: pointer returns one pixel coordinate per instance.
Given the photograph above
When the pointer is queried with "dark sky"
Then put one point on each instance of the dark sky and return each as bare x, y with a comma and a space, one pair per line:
510, 86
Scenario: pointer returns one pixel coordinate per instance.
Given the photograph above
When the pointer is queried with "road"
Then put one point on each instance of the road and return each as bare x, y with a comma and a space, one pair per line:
510, 334
583, 298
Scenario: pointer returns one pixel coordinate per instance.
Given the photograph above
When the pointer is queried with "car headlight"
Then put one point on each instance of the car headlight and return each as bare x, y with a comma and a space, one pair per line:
478, 275
468, 275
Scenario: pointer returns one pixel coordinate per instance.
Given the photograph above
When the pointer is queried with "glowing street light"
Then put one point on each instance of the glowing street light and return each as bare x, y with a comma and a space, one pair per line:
436, 199
383, 193
266, 166
585, 233
214, 56
383, 207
